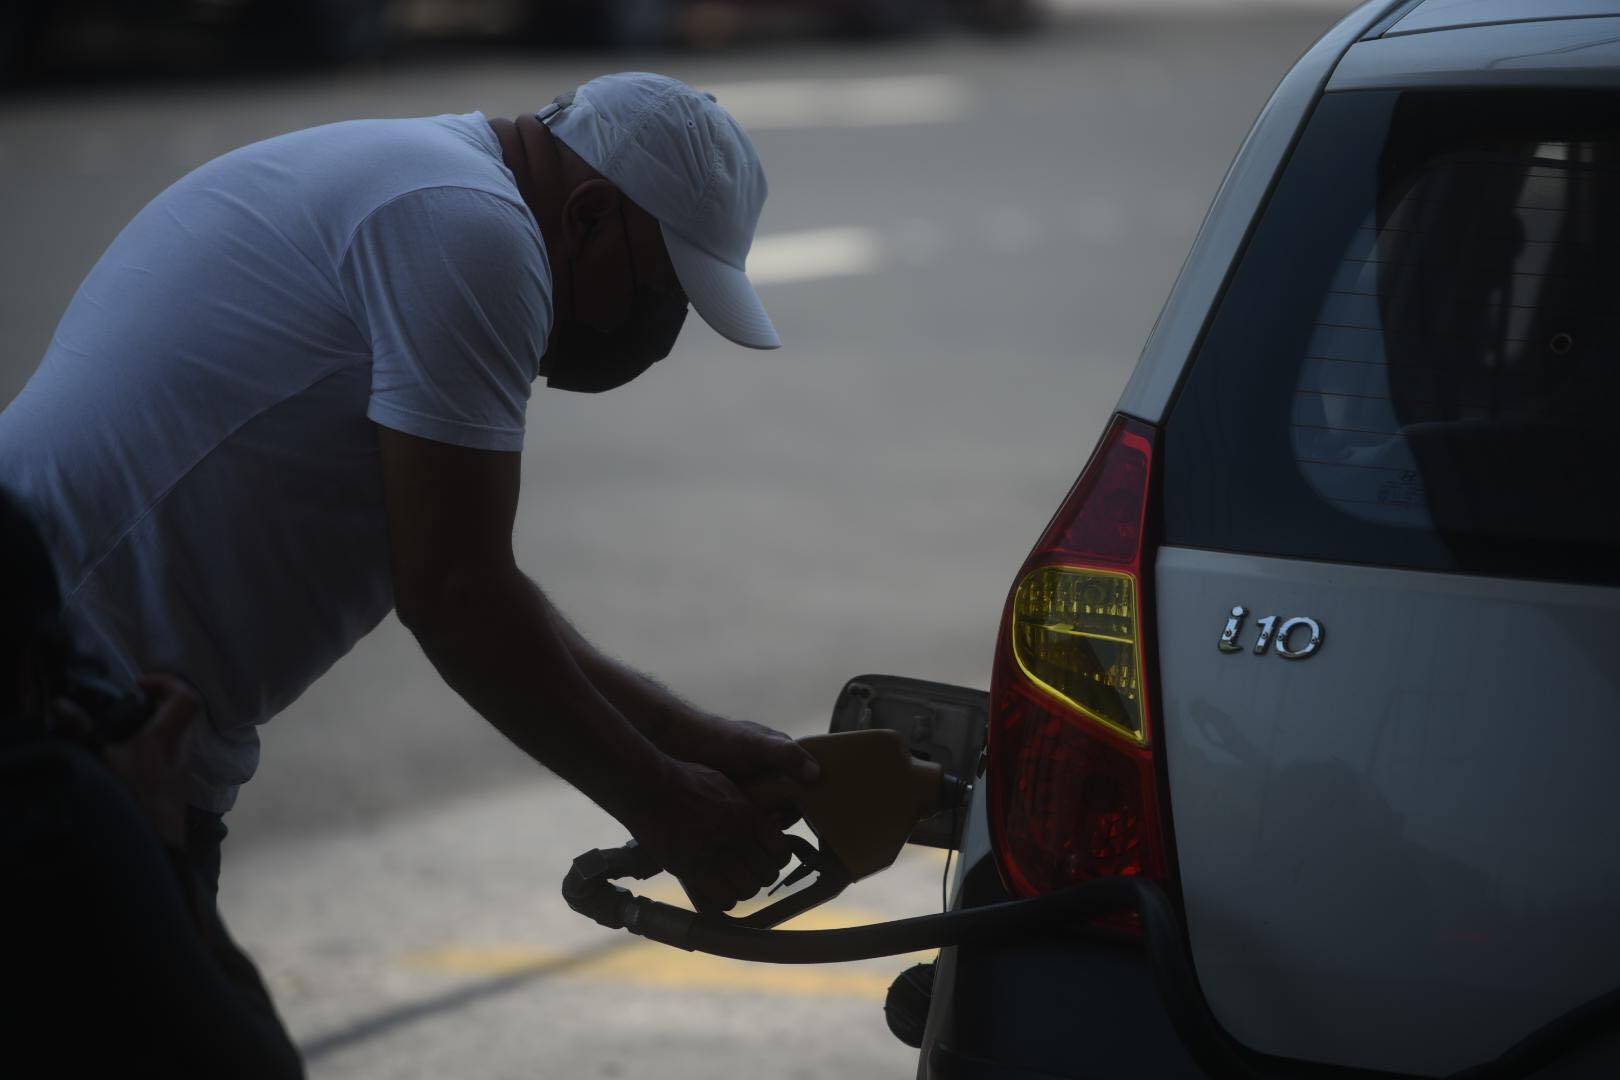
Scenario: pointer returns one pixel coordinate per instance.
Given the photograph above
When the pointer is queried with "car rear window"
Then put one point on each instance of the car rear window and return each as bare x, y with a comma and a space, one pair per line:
1417, 360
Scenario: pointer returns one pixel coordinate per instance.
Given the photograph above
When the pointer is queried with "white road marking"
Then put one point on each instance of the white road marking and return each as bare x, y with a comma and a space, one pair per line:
883, 101
786, 258
811, 254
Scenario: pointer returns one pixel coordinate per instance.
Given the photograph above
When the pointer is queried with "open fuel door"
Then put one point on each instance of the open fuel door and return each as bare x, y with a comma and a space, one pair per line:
940, 723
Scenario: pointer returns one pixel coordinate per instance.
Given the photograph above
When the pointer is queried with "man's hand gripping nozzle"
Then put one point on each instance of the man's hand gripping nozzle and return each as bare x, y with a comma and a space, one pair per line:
870, 795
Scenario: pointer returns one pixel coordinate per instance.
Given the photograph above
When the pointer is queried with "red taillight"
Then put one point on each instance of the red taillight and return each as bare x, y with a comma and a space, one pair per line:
1072, 794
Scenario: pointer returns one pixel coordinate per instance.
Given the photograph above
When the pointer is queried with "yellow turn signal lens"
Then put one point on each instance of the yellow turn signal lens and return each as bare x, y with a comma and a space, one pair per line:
1075, 632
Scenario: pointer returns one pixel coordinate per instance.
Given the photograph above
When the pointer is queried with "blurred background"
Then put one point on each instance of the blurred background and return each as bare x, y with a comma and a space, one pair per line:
77, 37
977, 208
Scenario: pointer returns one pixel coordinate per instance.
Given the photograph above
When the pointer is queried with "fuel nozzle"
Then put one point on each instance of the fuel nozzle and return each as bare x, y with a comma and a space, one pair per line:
953, 793
870, 796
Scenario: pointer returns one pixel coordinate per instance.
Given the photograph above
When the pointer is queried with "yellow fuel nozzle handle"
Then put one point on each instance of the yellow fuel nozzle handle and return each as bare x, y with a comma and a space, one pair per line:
869, 797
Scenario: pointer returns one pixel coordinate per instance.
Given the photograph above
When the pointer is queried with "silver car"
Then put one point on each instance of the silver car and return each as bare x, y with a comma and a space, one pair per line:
1326, 638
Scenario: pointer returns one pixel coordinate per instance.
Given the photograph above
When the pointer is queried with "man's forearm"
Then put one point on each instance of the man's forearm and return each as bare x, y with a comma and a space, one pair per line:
501, 648
651, 707
739, 749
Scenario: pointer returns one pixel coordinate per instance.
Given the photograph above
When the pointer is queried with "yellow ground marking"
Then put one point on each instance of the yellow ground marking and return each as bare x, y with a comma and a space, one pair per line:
648, 964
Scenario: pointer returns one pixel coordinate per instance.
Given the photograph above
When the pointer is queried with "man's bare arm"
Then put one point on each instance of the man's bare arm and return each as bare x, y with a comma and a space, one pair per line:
492, 635
741, 749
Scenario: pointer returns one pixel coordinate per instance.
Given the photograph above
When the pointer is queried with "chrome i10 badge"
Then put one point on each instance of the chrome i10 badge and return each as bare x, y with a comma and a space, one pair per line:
1296, 638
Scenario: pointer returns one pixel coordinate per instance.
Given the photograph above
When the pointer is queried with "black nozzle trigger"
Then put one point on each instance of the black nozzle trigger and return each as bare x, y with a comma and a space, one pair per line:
831, 879
810, 861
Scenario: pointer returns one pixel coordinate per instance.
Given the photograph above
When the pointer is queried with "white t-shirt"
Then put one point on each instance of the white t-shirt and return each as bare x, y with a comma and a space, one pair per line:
198, 441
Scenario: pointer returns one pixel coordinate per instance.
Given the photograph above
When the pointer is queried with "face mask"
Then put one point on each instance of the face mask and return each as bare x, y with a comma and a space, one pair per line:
586, 360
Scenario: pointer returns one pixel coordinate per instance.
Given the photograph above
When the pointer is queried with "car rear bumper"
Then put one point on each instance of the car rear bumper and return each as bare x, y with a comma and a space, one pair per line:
1030, 1021
1072, 1009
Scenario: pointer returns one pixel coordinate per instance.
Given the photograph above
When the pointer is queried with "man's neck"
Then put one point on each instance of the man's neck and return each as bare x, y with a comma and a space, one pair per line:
528, 150
535, 159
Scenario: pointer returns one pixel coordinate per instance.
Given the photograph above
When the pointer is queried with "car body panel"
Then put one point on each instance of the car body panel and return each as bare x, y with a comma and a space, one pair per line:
1560, 53
1035, 1021
1398, 853
1018, 1011
1450, 14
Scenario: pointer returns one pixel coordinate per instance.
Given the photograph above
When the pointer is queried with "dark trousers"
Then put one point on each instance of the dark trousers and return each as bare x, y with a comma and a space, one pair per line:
116, 962
199, 864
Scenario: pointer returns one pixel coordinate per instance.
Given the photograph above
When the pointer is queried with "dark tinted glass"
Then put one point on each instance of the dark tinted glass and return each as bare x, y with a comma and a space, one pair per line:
1417, 361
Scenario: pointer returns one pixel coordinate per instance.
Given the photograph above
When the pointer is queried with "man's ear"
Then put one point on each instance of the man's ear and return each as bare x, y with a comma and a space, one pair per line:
584, 209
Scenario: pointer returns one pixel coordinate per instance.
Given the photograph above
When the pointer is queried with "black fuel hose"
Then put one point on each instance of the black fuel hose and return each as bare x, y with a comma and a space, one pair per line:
994, 924
588, 889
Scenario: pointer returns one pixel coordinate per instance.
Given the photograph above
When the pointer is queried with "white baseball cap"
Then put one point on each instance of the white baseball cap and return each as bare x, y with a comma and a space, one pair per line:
682, 158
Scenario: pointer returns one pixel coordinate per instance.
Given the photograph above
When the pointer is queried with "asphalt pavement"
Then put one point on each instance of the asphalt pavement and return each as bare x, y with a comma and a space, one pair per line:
966, 242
